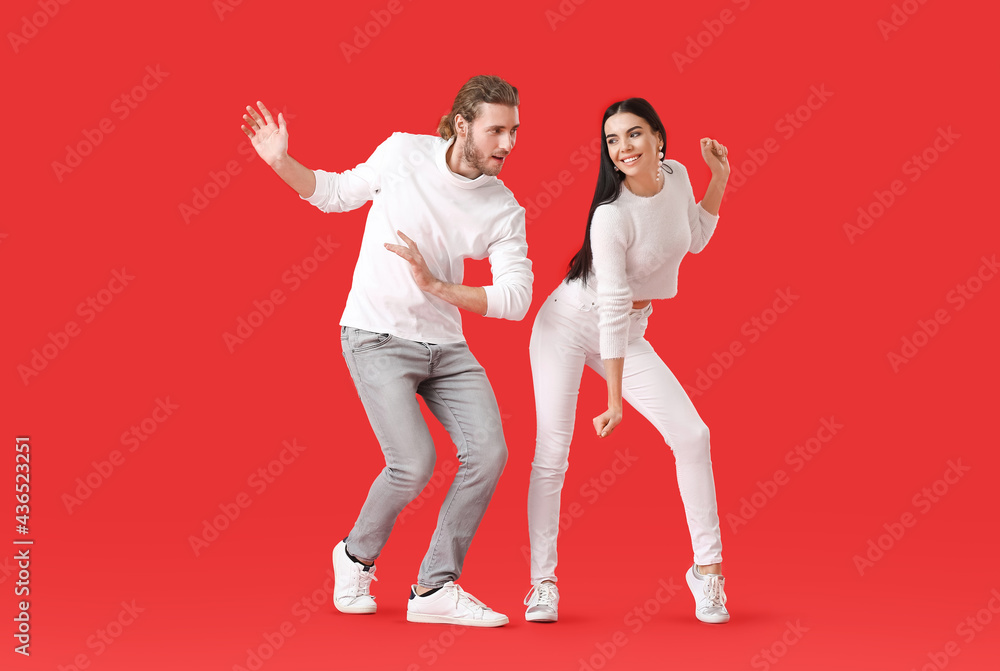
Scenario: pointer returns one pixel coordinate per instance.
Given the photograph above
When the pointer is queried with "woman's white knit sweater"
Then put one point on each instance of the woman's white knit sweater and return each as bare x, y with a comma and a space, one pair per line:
638, 244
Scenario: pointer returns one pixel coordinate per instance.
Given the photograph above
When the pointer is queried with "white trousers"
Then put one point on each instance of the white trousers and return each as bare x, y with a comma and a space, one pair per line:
564, 338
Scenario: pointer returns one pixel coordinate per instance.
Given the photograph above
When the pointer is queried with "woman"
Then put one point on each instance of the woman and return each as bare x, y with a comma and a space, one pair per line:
642, 222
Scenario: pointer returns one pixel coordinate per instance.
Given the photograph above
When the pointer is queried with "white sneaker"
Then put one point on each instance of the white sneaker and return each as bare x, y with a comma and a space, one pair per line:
452, 605
709, 596
350, 584
542, 602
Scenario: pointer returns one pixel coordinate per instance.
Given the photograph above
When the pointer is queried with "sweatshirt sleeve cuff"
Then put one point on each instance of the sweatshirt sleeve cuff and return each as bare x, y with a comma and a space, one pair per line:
508, 301
494, 301
707, 216
612, 348
322, 193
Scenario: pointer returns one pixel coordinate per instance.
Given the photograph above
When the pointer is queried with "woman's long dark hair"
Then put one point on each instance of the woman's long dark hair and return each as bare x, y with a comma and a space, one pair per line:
609, 181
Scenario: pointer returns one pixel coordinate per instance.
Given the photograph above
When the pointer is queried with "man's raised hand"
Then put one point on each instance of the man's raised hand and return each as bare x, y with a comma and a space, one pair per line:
270, 139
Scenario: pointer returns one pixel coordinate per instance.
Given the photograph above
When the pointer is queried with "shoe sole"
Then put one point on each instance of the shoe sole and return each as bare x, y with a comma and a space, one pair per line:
444, 619
355, 610
541, 617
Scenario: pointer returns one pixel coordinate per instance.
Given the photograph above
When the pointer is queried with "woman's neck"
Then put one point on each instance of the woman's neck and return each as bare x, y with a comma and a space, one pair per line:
644, 187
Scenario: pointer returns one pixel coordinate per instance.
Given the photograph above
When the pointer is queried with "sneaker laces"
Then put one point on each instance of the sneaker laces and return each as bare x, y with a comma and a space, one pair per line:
546, 594
477, 607
714, 591
363, 580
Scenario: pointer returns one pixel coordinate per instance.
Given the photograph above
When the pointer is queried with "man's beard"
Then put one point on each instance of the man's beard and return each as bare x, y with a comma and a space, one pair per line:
480, 163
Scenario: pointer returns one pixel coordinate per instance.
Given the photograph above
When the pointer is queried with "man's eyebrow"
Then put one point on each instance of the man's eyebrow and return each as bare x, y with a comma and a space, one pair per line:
501, 126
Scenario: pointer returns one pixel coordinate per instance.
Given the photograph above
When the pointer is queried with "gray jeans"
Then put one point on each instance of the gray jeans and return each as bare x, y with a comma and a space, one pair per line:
389, 372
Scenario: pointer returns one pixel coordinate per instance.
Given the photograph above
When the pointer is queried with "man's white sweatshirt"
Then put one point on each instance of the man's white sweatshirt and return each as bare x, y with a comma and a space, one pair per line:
449, 217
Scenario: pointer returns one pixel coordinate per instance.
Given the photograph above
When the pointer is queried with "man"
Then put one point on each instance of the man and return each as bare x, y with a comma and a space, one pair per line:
401, 331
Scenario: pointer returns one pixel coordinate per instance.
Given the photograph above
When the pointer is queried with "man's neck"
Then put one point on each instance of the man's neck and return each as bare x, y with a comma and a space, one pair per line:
456, 163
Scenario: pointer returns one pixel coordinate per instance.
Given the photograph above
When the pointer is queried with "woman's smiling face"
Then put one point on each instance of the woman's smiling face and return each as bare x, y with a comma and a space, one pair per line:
632, 145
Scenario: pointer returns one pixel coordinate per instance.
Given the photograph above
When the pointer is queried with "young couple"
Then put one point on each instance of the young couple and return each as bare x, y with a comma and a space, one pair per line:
435, 202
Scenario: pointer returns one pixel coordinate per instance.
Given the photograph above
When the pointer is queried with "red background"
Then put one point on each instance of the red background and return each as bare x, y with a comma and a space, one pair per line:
793, 584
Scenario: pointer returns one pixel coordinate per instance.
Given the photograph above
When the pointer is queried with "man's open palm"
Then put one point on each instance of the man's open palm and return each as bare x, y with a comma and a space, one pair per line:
270, 139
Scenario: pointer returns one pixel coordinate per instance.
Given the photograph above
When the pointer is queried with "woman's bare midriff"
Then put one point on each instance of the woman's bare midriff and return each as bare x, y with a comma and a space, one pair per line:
638, 305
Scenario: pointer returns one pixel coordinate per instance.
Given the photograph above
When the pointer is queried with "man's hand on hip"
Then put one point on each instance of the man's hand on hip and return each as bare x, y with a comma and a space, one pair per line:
421, 273
472, 299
